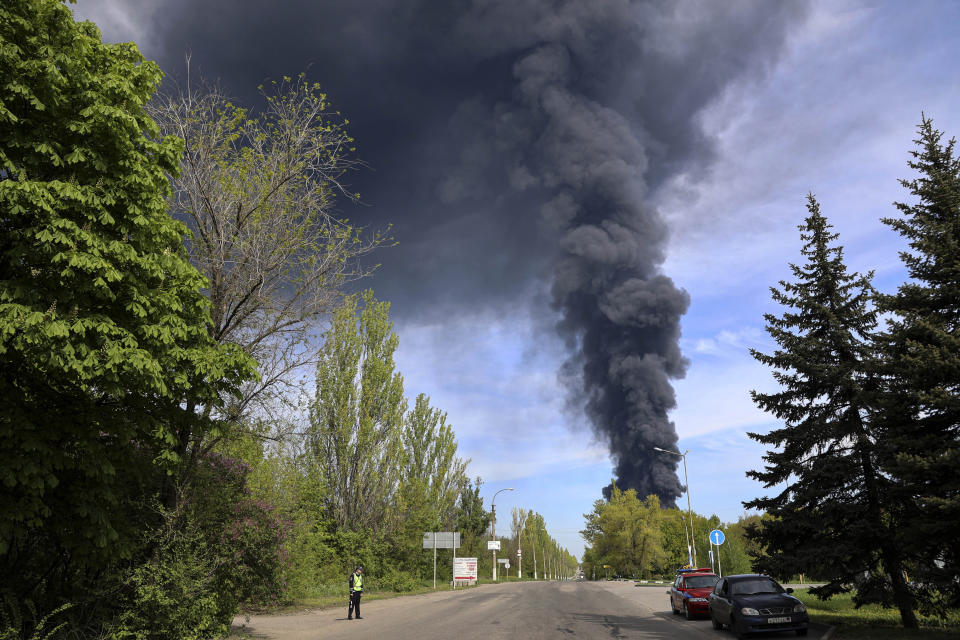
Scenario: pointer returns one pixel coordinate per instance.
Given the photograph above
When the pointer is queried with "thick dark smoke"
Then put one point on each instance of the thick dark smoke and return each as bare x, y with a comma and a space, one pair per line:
516, 145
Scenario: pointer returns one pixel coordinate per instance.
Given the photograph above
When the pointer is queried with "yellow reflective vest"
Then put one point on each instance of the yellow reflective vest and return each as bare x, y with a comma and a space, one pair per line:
357, 582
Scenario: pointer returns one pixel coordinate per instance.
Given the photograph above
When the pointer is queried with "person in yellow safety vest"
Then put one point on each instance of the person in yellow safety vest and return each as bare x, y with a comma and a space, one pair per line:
356, 590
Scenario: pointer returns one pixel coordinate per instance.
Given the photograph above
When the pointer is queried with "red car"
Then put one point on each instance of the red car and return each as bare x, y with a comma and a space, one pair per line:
690, 592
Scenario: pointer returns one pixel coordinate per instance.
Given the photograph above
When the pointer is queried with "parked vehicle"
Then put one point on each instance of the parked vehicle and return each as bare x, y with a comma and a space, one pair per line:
690, 591
754, 604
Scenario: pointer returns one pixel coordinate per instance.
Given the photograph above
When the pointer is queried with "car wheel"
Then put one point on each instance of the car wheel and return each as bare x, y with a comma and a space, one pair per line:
716, 623
686, 612
801, 632
673, 608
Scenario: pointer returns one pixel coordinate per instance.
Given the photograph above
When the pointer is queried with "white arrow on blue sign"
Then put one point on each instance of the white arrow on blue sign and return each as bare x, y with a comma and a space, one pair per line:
717, 537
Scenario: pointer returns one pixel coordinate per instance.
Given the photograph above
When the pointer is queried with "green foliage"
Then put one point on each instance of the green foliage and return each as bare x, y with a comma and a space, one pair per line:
626, 533
104, 331
869, 447
738, 550
178, 593
218, 548
398, 581
919, 404
472, 518
832, 515
15, 626
258, 192
356, 419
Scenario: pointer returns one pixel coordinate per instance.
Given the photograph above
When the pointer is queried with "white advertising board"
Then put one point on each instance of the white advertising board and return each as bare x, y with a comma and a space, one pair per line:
493, 545
465, 571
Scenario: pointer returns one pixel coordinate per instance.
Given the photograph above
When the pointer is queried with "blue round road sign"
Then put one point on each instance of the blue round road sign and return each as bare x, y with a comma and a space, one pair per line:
717, 537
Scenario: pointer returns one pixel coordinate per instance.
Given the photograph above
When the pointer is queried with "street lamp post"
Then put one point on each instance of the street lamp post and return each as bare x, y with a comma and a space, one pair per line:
493, 525
689, 510
686, 533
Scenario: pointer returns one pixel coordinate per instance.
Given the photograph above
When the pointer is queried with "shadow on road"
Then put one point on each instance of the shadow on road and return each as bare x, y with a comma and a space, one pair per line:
627, 626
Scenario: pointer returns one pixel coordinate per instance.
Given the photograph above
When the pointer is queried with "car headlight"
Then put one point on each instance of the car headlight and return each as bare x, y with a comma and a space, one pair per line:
748, 611
799, 608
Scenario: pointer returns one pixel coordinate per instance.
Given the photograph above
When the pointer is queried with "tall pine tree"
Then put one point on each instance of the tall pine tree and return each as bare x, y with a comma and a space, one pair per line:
921, 366
830, 512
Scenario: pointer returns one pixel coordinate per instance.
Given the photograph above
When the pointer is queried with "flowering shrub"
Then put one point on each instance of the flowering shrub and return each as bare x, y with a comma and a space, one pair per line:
256, 553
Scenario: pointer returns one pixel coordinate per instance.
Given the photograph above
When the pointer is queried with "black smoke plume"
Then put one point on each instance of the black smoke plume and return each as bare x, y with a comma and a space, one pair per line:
517, 147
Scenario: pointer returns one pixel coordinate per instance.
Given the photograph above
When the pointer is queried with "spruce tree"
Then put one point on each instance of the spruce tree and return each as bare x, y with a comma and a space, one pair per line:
829, 516
920, 349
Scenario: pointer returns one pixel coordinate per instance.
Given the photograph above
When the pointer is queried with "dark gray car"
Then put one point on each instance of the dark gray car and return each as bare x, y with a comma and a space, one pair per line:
754, 604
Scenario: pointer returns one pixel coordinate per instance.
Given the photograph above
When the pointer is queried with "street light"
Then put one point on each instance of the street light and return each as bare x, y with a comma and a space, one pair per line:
686, 533
493, 525
687, 482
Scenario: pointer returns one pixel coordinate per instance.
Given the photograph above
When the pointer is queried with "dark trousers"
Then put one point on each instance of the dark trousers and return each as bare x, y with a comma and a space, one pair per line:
354, 604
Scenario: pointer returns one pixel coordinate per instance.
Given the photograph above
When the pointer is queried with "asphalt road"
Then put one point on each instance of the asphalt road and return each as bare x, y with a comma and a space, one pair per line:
527, 611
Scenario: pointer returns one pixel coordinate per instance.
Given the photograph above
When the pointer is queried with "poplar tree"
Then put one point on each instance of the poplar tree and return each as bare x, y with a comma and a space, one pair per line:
921, 369
355, 435
830, 512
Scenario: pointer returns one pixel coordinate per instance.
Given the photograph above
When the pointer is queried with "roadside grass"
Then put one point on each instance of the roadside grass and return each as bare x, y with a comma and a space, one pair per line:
328, 597
871, 622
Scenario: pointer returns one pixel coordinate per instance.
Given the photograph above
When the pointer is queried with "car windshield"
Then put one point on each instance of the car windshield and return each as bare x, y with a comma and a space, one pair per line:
758, 585
700, 582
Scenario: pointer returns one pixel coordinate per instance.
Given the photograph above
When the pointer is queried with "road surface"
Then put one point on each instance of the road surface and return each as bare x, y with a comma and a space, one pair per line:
527, 611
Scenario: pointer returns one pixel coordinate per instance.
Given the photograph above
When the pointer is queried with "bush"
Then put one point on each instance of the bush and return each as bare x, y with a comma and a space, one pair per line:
180, 593
398, 581
257, 557
15, 626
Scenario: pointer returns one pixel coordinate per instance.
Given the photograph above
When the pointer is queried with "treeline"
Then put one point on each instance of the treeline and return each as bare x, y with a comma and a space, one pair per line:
866, 465
193, 414
632, 537
541, 556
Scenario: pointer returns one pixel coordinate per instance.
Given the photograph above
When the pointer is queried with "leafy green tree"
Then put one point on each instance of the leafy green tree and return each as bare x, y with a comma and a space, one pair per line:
626, 533
472, 518
518, 525
355, 435
920, 400
258, 192
736, 549
831, 511
104, 331
430, 479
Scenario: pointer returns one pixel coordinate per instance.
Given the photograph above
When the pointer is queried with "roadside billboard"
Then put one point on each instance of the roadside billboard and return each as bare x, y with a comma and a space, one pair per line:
465, 571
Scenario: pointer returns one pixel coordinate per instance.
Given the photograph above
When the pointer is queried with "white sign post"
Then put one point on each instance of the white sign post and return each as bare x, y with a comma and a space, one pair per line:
440, 540
717, 538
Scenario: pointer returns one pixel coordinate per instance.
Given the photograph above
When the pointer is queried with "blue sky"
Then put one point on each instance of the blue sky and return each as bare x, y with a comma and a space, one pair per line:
832, 111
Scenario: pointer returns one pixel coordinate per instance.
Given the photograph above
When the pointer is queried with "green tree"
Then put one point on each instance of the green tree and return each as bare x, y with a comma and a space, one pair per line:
626, 533
104, 331
472, 518
258, 192
355, 435
920, 399
831, 511
518, 524
430, 480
